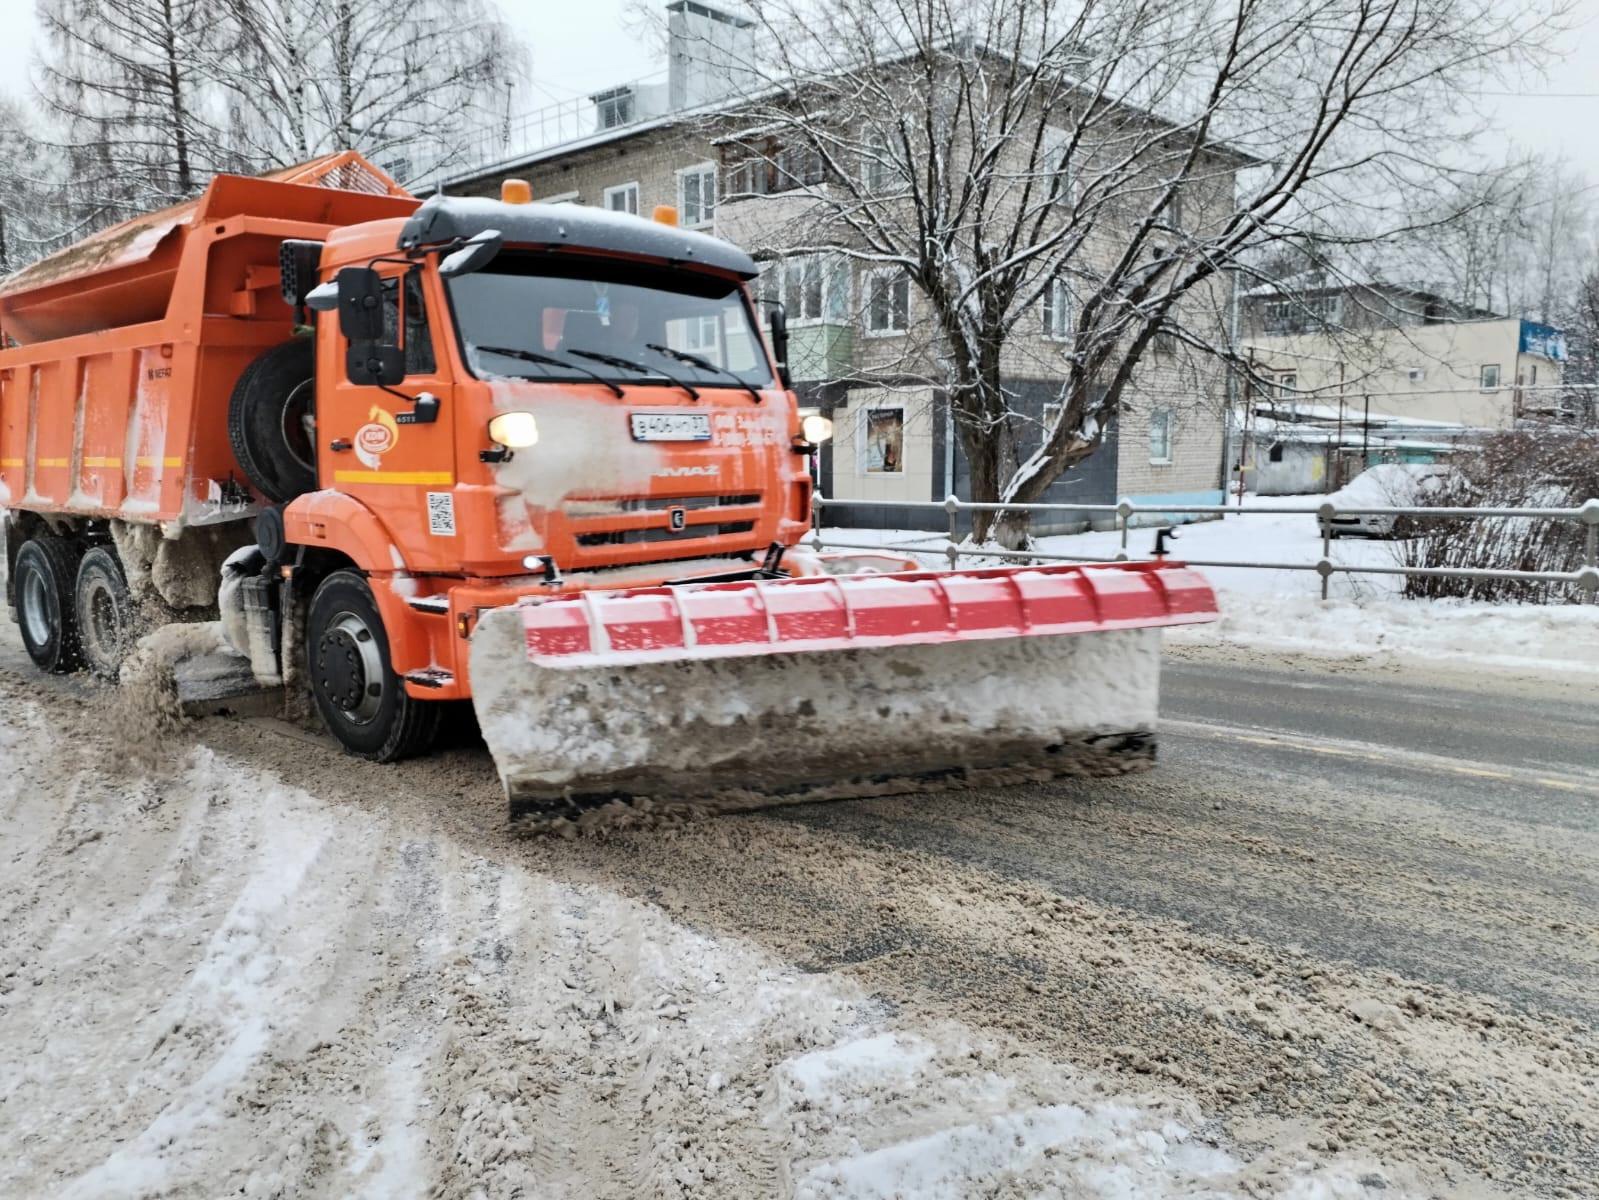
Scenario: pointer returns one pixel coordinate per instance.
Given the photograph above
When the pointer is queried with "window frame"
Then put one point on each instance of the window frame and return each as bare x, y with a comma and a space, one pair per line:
1057, 305
703, 170
1163, 419
621, 189
870, 280
1054, 142
834, 271
1482, 377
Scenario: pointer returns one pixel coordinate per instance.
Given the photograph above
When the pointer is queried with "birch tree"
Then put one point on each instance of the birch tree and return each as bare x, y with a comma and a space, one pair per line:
128, 85
1123, 159
395, 79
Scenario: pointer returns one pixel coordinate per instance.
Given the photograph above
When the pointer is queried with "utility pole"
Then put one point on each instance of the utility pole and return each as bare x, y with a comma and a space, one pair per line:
1365, 437
1338, 447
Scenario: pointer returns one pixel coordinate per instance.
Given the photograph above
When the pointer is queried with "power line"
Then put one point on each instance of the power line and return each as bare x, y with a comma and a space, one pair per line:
1545, 95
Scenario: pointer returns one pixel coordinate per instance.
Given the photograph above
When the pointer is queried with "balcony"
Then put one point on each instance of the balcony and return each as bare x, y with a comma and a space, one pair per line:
817, 353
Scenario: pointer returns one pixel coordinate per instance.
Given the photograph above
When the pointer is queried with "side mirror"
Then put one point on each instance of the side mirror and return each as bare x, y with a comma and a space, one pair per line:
373, 363
780, 342
475, 254
360, 304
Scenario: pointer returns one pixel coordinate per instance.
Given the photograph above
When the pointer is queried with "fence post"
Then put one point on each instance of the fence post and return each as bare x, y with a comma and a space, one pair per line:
1588, 514
816, 519
1324, 568
952, 506
1124, 515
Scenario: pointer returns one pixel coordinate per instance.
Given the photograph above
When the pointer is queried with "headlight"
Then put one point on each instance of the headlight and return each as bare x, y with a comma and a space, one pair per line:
816, 430
514, 430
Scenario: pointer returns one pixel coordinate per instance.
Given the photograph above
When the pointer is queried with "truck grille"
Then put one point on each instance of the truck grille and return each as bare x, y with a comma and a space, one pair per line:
610, 508
633, 537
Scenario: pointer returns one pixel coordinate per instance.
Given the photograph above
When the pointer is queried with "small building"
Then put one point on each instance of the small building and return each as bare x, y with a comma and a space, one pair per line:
1403, 351
1314, 448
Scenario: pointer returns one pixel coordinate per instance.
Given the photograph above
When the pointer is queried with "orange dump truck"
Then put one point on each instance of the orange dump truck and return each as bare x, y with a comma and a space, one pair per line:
539, 457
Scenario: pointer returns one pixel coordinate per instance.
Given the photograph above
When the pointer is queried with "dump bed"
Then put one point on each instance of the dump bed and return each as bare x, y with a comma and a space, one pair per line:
120, 353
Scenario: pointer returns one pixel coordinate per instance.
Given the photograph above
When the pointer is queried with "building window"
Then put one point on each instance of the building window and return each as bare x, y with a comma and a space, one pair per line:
815, 288
615, 108
623, 198
1276, 452
1052, 164
1416, 374
888, 302
696, 195
1490, 377
877, 166
883, 441
1287, 385
1303, 314
797, 167
1057, 311
1160, 436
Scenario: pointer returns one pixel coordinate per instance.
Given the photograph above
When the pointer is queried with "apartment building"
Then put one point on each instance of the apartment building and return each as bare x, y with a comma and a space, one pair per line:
853, 329
1402, 351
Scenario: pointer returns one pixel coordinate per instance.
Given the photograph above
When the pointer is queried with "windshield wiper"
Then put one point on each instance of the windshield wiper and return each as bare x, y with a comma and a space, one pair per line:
704, 364
548, 360
616, 360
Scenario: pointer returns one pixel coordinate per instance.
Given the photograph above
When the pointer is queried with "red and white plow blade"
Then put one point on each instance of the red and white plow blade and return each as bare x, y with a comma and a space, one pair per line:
751, 693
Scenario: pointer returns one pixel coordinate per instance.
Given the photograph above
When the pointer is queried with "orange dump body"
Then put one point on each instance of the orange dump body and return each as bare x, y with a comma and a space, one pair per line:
118, 355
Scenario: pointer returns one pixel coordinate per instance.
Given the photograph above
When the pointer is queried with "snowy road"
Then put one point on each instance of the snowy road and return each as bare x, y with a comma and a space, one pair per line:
1345, 934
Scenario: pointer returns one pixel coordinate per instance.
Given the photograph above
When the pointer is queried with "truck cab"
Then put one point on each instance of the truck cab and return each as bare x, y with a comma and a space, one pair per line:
516, 399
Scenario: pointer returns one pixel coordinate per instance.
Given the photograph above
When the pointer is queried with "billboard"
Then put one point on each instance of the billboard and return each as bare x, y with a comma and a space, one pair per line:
1543, 340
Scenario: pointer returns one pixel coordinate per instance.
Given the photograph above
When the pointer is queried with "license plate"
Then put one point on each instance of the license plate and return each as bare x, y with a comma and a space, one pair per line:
671, 427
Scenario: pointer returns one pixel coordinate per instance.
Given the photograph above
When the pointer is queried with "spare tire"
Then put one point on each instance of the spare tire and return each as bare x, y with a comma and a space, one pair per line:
272, 421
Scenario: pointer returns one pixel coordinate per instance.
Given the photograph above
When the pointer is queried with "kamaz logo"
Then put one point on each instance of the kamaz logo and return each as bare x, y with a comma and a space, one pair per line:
678, 472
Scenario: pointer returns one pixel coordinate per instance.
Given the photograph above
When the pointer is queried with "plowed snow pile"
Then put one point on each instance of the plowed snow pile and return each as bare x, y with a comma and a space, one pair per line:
216, 984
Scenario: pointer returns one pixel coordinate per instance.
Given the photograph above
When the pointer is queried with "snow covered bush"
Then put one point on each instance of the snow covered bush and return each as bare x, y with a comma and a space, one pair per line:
1535, 469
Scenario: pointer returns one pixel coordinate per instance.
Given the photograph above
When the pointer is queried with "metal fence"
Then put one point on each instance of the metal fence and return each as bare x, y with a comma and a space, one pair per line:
1126, 511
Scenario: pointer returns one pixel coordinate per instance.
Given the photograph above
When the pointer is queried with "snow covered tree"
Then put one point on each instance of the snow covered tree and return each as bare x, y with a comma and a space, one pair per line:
128, 84
1110, 163
395, 79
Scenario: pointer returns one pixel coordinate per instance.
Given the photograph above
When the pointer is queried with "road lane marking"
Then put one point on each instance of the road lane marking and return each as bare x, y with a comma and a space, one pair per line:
1385, 755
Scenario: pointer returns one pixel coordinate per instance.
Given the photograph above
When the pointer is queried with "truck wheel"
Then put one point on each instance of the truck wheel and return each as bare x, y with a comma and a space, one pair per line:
357, 692
272, 421
47, 570
105, 612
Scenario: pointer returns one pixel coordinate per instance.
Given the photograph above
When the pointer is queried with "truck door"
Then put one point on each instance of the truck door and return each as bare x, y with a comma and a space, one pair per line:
393, 448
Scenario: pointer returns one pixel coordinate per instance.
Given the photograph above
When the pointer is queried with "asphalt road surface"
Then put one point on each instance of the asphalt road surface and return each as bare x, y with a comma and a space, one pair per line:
1353, 910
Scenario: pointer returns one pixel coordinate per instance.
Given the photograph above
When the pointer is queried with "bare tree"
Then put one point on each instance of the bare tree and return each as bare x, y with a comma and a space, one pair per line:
1117, 159
127, 83
32, 222
396, 79
1516, 238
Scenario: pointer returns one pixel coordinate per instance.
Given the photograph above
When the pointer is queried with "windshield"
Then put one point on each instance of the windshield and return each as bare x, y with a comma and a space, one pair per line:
551, 306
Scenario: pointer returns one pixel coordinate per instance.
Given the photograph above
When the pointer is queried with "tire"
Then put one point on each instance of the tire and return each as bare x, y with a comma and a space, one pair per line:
272, 421
47, 575
105, 612
356, 690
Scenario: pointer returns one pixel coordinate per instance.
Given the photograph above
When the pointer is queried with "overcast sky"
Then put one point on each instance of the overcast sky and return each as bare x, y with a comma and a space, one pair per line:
580, 46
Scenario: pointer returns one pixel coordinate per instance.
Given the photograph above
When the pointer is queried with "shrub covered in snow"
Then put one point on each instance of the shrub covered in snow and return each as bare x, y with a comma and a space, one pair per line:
1542, 469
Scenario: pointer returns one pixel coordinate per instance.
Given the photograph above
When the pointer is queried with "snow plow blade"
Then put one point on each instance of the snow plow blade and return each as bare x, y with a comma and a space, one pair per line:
747, 694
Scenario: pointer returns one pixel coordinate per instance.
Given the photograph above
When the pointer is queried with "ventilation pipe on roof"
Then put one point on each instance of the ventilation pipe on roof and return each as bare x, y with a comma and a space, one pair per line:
710, 52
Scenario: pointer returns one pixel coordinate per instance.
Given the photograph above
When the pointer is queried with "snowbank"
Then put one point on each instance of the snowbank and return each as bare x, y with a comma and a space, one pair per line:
222, 985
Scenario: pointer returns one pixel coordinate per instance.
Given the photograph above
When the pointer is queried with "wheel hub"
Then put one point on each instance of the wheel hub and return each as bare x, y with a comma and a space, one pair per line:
349, 669
35, 605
